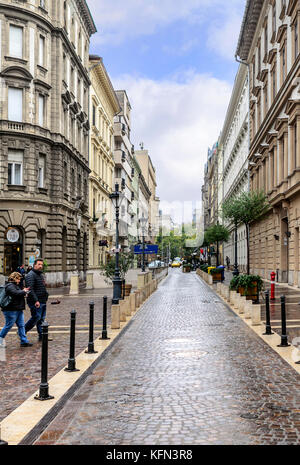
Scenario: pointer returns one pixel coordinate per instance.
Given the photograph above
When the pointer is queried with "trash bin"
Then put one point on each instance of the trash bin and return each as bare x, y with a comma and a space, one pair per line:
210, 268
222, 268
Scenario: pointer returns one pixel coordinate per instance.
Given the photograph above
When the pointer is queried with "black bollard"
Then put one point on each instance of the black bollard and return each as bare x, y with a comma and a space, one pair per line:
268, 322
104, 327
72, 361
44, 386
91, 349
284, 338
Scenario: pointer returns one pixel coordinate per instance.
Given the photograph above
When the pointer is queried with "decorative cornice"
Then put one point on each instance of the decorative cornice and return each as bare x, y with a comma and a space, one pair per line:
87, 17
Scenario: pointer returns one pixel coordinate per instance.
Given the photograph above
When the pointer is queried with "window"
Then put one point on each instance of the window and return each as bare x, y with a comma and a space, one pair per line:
15, 104
296, 39
41, 170
43, 4
283, 57
16, 41
266, 38
15, 167
274, 18
94, 115
259, 59
42, 51
295, 145
274, 82
41, 110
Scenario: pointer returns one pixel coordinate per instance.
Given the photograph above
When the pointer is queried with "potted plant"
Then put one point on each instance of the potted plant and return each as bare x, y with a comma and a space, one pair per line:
186, 268
248, 285
216, 274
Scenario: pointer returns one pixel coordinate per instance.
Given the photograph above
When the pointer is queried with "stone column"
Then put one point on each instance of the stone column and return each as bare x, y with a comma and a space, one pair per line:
74, 286
286, 156
89, 281
298, 142
115, 317
275, 166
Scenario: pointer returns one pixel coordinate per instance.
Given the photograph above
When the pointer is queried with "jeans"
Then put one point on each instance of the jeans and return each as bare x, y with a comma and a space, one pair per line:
11, 318
38, 316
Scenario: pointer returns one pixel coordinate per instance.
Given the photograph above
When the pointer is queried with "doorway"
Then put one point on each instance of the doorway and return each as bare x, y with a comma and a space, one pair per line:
13, 250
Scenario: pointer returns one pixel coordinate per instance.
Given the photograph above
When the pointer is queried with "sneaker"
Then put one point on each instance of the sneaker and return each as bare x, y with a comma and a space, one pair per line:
26, 344
2, 342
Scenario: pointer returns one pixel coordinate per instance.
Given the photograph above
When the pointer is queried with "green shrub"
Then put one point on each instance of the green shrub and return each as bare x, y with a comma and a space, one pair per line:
247, 281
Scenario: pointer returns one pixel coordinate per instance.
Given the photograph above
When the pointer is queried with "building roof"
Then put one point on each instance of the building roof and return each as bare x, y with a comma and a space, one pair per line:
251, 15
87, 16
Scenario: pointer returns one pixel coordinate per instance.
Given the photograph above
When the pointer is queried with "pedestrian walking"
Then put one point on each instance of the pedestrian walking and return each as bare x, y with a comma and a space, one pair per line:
227, 262
21, 270
13, 312
37, 299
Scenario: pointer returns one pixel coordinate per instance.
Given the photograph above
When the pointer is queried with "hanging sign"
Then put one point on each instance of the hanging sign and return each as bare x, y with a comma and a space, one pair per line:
12, 235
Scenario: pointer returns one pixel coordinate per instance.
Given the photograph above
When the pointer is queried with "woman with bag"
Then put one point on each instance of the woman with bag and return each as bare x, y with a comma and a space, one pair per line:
13, 312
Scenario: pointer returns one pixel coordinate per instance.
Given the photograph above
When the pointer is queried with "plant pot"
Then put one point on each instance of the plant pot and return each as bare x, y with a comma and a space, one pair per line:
128, 288
217, 277
251, 293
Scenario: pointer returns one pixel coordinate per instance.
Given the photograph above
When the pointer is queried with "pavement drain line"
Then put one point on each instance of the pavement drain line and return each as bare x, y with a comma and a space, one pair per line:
28, 421
288, 354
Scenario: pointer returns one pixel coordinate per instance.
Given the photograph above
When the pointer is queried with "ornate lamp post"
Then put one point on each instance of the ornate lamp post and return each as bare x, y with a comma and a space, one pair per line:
143, 222
117, 282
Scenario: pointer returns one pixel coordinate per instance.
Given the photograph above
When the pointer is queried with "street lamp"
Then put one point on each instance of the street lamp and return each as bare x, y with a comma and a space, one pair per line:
117, 282
143, 222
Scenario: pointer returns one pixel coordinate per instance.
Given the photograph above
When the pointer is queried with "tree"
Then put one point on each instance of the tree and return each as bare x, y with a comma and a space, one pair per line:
215, 234
247, 207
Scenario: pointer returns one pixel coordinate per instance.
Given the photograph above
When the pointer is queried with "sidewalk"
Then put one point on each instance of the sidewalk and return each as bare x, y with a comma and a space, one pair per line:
187, 371
20, 368
292, 296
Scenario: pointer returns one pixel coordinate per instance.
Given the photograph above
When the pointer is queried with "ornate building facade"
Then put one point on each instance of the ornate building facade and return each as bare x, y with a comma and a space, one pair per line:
44, 135
269, 43
234, 145
104, 106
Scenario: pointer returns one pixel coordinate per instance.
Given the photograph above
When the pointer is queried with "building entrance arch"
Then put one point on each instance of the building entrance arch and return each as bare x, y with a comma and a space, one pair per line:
13, 249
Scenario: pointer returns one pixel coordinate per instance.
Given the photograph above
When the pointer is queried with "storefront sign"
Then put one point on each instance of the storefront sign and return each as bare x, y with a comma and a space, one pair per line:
12, 235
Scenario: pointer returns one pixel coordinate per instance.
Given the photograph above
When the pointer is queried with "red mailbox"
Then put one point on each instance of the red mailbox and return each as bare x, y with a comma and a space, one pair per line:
273, 274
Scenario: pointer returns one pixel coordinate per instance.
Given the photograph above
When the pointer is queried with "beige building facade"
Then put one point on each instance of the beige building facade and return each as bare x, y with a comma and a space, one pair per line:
149, 175
44, 135
104, 106
269, 43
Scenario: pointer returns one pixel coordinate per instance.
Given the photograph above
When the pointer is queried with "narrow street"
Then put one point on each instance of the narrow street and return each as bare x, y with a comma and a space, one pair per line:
186, 371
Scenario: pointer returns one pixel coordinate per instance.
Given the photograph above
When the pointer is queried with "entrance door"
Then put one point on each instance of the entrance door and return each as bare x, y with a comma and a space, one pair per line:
13, 255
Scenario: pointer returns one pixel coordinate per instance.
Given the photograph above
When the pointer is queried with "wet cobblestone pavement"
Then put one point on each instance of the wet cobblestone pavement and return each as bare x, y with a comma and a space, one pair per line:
20, 368
187, 371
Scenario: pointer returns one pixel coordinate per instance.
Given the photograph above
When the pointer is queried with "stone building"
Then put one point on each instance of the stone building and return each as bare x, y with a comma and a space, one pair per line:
44, 132
234, 144
149, 175
123, 156
269, 43
104, 106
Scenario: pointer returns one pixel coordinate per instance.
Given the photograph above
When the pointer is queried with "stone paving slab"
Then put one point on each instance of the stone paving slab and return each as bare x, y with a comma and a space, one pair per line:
187, 371
20, 368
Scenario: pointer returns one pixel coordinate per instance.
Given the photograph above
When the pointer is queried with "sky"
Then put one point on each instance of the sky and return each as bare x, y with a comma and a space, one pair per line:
175, 59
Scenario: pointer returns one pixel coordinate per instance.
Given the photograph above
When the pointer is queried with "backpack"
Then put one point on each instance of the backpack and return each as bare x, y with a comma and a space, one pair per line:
5, 299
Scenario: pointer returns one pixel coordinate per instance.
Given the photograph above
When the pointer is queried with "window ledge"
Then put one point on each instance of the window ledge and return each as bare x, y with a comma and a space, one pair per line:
43, 9
43, 190
16, 187
19, 60
41, 68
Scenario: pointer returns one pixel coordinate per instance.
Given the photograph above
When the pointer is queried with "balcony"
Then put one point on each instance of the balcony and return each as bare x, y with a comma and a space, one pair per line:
119, 158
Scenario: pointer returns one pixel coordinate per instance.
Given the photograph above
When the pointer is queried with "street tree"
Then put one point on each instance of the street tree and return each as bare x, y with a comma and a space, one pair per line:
244, 209
215, 234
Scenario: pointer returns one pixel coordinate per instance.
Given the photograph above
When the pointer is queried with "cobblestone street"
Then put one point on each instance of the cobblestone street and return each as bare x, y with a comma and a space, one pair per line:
186, 371
20, 368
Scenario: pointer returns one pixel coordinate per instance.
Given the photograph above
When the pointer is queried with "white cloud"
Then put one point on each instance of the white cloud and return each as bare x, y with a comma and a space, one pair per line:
121, 20
177, 121
223, 36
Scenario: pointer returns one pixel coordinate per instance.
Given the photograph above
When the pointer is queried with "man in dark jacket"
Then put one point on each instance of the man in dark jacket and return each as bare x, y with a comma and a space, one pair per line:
37, 298
13, 312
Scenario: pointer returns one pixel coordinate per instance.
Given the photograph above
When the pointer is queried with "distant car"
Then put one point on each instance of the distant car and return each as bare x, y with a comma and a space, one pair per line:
176, 264
155, 264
